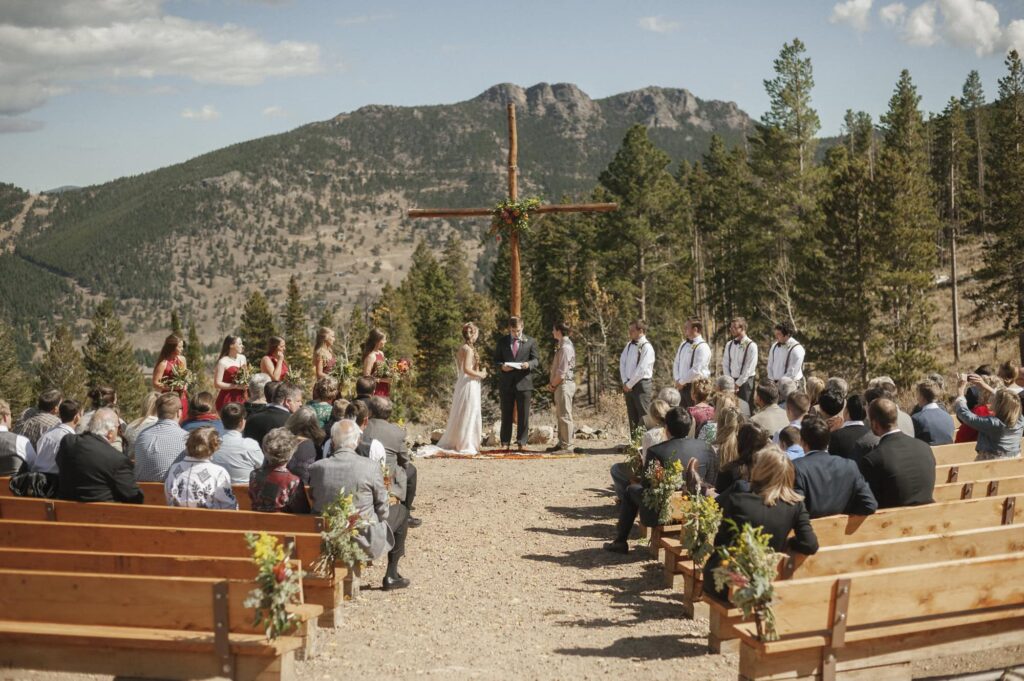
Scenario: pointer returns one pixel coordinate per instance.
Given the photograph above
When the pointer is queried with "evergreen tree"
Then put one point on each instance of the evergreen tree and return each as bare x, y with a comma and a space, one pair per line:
176, 324
298, 350
195, 357
906, 215
472, 305
110, 360
434, 320
392, 313
326, 319
859, 136
257, 322
353, 334
15, 386
1003, 273
61, 367
976, 113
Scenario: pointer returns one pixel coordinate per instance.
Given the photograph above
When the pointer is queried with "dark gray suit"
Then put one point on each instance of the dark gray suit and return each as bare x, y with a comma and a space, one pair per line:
403, 473
515, 387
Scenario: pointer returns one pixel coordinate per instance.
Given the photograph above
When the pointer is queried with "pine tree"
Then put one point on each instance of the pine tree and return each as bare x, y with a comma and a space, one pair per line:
299, 351
257, 322
195, 357
110, 360
435, 324
15, 386
472, 305
1003, 273
906, 215
176, 324
973, 103
61, 367
326, 319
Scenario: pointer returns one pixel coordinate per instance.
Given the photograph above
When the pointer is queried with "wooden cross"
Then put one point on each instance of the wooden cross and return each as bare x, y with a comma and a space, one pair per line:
513, 195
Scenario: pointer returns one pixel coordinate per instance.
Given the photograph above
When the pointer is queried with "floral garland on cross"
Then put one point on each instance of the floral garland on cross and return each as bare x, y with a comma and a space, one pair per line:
513, 216
278, 585
748, 569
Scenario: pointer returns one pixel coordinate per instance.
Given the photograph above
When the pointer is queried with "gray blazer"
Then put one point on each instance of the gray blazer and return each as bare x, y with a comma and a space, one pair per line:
392, 437
347, 471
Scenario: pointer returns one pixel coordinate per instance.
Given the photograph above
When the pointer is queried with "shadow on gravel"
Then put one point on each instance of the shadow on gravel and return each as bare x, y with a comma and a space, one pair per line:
596, 451
664, 647
602, 512
592, 531
587, 558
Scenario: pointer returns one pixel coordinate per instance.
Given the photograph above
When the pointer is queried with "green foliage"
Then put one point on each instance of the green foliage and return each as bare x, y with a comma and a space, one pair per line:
12, 199
176, 325
15, 386
298, 350
257, 323
977, 118
435, 322
196, 359
110, 360
62, 367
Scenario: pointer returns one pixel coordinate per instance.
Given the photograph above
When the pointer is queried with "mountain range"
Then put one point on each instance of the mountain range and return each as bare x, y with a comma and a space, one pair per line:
325, 201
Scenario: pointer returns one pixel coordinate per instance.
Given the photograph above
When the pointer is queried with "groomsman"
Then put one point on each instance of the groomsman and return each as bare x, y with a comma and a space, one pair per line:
562, 382
693, 358
636, 369
739, 360
786, 356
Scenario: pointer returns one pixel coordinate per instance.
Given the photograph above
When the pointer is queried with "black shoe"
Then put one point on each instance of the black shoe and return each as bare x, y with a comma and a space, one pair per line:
520, 447
395, 583
617, 547
414, 522
553, 449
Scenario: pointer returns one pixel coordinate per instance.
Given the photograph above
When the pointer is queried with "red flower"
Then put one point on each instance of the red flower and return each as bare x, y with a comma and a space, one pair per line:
353, 519
281, 572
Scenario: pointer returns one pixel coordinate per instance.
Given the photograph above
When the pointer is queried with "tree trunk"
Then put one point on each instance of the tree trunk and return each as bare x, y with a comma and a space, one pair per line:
956, 297
641, 266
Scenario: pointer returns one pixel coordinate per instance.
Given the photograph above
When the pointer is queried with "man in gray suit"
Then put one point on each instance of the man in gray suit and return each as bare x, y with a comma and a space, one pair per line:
392, 436
346, 472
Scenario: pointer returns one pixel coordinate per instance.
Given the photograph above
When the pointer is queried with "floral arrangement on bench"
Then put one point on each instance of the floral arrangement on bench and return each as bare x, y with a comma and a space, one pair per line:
342, 524
634, 454
279, 585
663, 483
702, 516
748, 567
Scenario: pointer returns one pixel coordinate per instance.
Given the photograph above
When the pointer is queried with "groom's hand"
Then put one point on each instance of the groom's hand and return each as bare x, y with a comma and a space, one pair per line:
524, 365
506, 368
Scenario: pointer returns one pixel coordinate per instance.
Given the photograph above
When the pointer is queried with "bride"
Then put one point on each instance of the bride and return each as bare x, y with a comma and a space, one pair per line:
463, 433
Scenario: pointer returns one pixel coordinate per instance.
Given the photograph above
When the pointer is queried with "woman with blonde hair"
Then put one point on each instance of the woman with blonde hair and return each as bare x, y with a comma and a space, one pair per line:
324, 360
769, 502
464, 430
999, 435
815, 386
726, 444
147, 419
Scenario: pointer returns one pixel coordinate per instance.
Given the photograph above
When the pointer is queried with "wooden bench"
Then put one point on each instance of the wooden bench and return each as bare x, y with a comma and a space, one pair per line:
979, 470
873, 624
330, 592
962, 452
979, 488
153, 493
158, 627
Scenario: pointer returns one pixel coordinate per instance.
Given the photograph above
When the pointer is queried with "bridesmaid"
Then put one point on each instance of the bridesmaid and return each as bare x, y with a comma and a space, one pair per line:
373, 352
273, 363
231, 360
323, 353
171, 356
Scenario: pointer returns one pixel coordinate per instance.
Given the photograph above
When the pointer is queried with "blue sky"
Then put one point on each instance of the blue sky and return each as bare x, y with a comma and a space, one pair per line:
91, 90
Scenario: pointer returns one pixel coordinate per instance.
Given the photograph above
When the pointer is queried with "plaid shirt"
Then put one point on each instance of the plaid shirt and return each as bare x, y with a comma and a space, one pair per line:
156, 448
34, 427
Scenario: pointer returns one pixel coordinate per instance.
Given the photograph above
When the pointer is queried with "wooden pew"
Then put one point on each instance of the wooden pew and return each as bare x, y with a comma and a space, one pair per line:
962, 452
979, 488
979, 470
153, 493
874, 624
178, 627
329, 592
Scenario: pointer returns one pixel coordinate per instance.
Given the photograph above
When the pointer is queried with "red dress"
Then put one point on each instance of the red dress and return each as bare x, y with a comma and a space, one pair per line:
284, 371
168, 369
383, 388
329, 365
233, 395
967, 434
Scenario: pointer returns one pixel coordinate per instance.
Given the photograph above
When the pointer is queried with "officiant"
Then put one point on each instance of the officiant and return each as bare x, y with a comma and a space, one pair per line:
515, 358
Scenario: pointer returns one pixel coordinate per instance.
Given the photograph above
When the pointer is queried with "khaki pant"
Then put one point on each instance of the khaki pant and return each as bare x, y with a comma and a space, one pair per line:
563, 412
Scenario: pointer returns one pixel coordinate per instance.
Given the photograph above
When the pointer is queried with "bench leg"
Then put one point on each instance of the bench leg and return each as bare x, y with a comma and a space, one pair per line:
252, 668
670, 569
721, 638
352, 582
653, 547
693, 591
310, 632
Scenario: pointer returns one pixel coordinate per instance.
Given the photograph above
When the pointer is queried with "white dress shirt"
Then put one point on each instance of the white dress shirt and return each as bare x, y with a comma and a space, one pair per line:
693, 359
739, 360
786, 359
45, 459
636, 362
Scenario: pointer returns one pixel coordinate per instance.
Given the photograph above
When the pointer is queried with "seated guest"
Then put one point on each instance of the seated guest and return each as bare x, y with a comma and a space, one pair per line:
900, 469
678, 448
727, 431
797, 406
284, 400
45, 416
100, 397
148, 418
237, 454
670, 396
197, 482
787, 386
829, 484
1007, 371
345, 471
304, 425
45, 460
272, 487
789, 441
838, 385
15, 449
999, 435
977, 403
830, 405
770, 415
932, 423
365, 385
655, 434
160, 445
853, 438
372, 449
726, 385
701, 411
325, 391
392, 436
723, 401
202, 412
903, 422
769, 502
338, 409
257, 394
750, 439
815, 386
91, 469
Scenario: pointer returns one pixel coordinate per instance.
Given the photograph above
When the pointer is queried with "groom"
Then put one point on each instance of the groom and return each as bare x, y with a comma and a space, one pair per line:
516, 357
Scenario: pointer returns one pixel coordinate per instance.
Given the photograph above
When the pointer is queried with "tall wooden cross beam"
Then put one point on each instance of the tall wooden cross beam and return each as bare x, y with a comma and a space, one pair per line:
513, 195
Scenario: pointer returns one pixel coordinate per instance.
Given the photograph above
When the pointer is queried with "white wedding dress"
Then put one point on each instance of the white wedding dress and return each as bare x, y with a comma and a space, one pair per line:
464, 431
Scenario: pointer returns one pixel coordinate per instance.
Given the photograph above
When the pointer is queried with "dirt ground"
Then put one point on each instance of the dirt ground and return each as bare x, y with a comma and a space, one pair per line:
509, 581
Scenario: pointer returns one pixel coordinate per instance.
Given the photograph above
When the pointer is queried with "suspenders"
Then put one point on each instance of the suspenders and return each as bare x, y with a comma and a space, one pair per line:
743, 361
693, 352
789, 354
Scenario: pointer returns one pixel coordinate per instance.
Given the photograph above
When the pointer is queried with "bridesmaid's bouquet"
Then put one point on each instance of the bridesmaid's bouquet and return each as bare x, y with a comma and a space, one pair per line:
180, 380
245, 374
393, 371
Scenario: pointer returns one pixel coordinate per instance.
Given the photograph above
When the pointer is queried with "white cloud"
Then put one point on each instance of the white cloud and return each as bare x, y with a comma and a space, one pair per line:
919, 28
1013, 36
274, 112
364, 19
852, 12
973, 24
658, 24
13, 124
894, 14
53, 46
206, 113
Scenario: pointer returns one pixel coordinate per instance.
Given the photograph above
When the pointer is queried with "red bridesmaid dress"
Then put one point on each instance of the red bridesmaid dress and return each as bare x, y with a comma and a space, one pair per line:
383, 388
233, 395
284, 372
168, 369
